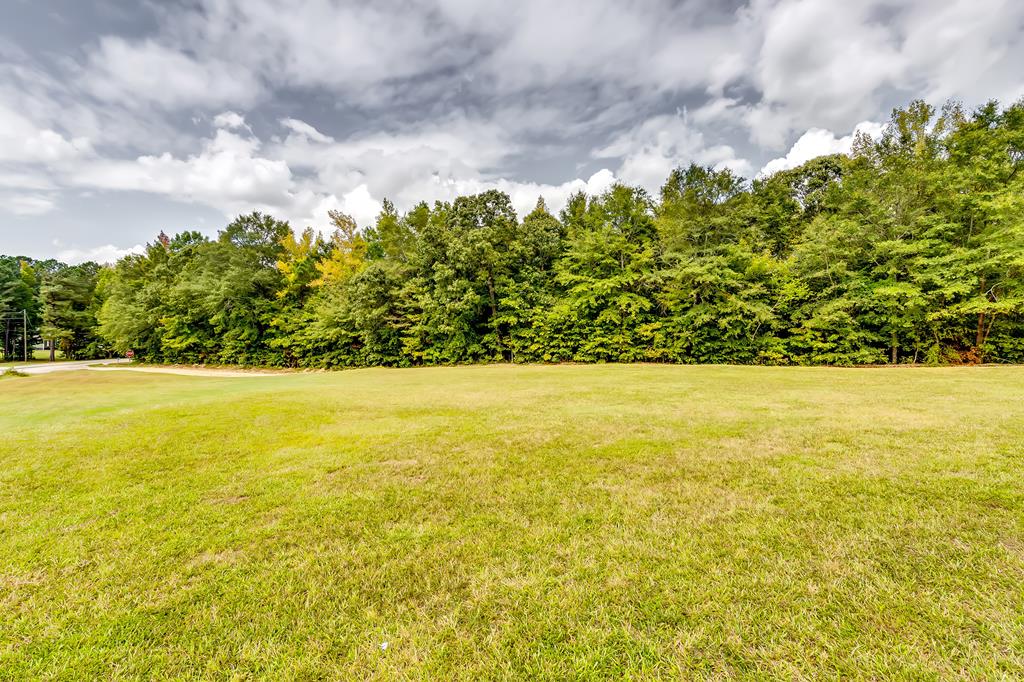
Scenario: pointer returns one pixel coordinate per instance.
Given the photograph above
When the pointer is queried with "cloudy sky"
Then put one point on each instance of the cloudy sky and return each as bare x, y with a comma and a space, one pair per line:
121, 118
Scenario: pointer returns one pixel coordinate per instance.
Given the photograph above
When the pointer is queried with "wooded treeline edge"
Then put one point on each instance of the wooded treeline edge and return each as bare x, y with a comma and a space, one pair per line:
911, 249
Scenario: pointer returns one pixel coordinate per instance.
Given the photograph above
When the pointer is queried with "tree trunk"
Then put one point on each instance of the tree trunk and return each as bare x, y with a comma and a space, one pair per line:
979, 339
494, 314
895, 346
53, 354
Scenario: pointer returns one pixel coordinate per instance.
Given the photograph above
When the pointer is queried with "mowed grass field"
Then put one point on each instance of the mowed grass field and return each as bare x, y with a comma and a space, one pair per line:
514, 522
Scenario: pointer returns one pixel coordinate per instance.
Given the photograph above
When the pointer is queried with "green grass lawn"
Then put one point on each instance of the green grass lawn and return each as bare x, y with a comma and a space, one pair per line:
514, 522
38, 356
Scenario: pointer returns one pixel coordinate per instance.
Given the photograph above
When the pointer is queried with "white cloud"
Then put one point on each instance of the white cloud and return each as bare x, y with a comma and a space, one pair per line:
825, 59
356, 203
524, 194
108, 253
132, 73
306, 130
818, 63
425, 100
970, 49
228, 174
230, 120
27, 204
22, 140
449, 143
421, 163
657, 45
347, 46
236, 173
819, 142
31, 180
651, 150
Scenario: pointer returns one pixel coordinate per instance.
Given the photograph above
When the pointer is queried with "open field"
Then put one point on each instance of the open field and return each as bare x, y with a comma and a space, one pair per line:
568, 521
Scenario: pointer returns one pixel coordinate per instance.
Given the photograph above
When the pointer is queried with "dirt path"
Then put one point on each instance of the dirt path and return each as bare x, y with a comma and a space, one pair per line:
191, 371
61, 366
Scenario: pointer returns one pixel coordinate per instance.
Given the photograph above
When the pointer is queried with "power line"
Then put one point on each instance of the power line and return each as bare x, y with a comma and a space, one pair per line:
22, 317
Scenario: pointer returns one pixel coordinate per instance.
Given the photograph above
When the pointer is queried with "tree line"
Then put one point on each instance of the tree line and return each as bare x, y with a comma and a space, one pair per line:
909, 249
60, 303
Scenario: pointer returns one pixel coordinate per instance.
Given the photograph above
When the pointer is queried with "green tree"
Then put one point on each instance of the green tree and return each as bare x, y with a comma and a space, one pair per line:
69, 307
609, 278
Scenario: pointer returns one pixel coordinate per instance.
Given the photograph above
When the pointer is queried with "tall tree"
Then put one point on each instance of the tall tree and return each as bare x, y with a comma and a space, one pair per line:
69, 307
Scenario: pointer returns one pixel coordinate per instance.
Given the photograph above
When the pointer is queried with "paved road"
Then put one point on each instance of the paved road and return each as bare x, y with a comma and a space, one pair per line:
70, 365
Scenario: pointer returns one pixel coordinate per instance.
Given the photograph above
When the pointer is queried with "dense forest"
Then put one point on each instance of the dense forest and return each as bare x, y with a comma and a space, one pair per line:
60, 303
910, 249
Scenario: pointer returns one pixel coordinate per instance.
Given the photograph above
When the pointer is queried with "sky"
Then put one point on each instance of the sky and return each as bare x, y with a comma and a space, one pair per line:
122, 118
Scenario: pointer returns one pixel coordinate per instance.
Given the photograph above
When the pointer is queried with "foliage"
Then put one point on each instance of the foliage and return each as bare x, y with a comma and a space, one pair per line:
69, 303
19, 299
911, 249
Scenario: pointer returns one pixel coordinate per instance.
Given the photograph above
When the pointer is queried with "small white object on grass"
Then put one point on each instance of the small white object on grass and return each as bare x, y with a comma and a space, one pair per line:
383, 646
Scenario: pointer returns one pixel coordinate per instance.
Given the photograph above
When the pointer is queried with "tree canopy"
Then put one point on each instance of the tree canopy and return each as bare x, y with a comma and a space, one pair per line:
910, 249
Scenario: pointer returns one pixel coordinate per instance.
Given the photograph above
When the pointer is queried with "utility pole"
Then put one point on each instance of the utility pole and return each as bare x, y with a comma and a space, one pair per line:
9, 348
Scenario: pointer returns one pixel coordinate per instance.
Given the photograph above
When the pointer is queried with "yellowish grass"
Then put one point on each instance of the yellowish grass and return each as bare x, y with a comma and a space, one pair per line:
525, 522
